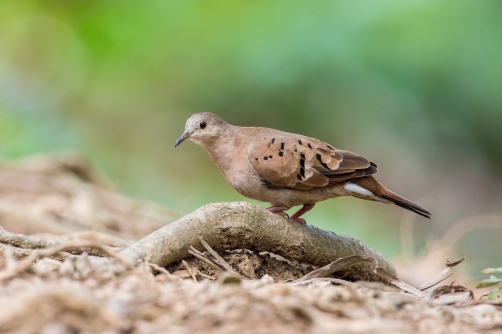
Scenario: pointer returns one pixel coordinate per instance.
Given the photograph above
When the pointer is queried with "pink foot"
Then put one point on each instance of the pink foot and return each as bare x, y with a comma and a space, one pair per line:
300, 220
303, 210
278, 210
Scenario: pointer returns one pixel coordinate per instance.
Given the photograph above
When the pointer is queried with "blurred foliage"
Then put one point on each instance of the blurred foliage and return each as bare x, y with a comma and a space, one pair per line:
414, 86
494, 282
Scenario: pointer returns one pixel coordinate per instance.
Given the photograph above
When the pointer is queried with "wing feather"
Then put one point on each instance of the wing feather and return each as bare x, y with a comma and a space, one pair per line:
298, 162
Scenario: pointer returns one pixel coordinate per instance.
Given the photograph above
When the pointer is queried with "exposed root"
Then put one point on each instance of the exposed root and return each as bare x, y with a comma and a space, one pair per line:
26, 262
24, 243
241, 225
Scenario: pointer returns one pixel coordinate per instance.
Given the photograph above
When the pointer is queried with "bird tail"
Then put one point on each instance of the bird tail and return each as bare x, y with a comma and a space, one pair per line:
371, 184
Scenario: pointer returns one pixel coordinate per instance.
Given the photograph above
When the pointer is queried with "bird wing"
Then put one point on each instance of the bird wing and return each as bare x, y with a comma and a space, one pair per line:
298, 162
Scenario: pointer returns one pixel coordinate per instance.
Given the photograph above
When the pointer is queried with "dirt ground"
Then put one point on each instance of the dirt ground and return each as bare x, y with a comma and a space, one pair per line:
61, 199
249, 264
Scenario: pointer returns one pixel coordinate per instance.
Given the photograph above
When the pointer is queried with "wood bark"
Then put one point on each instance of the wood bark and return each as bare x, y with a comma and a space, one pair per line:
241, 225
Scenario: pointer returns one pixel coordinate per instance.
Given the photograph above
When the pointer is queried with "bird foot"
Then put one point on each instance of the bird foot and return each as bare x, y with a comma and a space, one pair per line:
303, 210
299, 220
282, 213
278, 210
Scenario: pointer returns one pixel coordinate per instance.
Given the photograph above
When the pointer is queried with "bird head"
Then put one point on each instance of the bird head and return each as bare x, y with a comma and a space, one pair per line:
202, 129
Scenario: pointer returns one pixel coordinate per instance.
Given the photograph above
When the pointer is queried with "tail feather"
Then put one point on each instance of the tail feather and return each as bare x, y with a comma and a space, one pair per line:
409, 206
371, 184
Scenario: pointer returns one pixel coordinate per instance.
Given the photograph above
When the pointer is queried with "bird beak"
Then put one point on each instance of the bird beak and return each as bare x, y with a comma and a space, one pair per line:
184, 136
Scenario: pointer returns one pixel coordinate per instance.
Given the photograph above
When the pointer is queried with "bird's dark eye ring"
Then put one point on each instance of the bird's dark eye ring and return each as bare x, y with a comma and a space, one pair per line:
202, 125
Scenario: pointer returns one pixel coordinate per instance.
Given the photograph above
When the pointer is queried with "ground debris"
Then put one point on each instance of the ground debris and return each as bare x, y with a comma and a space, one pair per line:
61, 194
138, 301
69, 276
251, 265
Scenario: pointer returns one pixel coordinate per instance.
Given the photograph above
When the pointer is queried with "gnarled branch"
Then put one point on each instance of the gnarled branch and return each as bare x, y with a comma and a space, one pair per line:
241, 225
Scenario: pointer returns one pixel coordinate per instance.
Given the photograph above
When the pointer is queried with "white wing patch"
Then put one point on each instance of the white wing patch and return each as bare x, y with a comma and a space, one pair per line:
358, 190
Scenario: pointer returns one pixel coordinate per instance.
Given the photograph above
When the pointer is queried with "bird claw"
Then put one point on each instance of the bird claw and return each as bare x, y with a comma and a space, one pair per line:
300, 220
282, 213
278, 210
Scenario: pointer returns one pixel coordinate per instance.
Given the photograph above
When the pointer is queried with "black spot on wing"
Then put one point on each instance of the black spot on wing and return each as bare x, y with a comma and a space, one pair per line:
318, 156
280, 154
310, 146
273, 140
282, 146
324, 150
300, 142
302, 171
265, 158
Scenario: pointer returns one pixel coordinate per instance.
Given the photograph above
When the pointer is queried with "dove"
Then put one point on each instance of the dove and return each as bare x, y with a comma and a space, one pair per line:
287, 169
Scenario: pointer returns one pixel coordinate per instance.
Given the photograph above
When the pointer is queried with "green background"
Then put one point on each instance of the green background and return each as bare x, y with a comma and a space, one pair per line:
415, 86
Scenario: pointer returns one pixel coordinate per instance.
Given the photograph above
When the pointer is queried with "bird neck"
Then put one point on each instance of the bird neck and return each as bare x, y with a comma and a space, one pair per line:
223, 149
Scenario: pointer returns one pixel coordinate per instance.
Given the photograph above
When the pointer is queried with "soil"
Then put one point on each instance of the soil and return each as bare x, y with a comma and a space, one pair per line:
70, 297
66, 201
249, 264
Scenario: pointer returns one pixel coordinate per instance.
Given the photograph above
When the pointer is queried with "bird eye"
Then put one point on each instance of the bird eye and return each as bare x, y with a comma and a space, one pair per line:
202, 125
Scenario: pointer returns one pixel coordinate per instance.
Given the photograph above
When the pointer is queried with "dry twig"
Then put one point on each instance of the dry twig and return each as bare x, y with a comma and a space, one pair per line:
335, 266
204, 259
218, 258
355, 259
441, 276
327, 279
190, 271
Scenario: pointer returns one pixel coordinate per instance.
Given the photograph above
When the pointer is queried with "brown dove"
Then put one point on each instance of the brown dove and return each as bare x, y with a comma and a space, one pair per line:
286, 169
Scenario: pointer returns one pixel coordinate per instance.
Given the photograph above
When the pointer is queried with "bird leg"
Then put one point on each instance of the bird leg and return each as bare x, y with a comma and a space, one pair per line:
304, 209
279, 210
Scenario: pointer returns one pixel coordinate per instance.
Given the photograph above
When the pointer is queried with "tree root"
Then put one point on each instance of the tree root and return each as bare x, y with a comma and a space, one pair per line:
27, 261
216, 227
241, 225
25, 243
